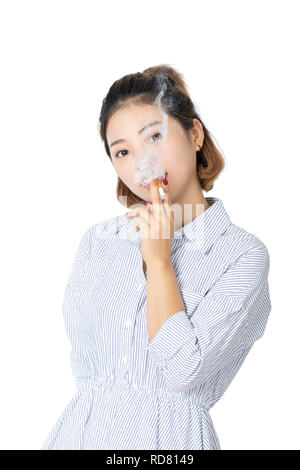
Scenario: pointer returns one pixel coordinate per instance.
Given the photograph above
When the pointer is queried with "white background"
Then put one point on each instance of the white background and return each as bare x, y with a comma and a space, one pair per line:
240, 61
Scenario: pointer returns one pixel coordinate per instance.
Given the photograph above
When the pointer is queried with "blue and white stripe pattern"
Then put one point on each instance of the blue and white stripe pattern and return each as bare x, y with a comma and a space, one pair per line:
136, 394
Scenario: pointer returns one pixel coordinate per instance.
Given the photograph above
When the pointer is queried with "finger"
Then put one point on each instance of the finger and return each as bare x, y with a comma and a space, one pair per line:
142, 225
157, 203
155, 195
167, 207
166, 191
141, 213
162, 193
149, 207
136, 212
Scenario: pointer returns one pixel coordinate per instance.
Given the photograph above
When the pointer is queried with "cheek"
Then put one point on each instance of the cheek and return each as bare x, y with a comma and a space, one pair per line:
180, 161
124, 173
127, 176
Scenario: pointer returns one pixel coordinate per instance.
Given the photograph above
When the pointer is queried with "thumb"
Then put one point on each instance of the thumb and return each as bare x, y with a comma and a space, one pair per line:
166, 190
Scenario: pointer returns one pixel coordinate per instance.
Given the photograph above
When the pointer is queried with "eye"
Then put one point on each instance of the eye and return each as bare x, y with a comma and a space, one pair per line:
157, 133
117, 154
153, 135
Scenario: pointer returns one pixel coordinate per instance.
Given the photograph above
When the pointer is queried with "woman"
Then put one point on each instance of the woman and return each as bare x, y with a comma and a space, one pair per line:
159, 325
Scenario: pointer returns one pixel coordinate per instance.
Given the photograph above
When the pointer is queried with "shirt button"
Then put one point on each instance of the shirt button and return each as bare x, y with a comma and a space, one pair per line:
128, 323
140, 285
134, 386
124, 359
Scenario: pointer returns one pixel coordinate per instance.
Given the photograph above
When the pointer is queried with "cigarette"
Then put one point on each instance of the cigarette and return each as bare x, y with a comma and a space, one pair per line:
161, 191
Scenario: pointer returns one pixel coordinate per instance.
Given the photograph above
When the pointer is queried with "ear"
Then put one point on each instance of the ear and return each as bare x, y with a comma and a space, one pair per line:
197, 134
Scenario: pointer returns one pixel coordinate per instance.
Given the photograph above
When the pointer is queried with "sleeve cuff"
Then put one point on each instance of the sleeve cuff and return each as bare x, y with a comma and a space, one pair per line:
172, 335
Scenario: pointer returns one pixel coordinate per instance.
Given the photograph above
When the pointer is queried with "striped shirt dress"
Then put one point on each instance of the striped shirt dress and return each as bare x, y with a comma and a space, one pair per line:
133, 393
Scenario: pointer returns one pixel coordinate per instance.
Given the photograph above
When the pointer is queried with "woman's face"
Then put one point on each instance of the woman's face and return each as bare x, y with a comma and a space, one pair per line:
177, 154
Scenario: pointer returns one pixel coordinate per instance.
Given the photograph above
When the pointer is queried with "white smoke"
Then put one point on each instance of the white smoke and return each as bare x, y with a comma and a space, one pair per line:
150, 164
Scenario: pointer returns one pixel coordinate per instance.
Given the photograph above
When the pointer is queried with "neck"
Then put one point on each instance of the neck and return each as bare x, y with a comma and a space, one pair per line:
192, 203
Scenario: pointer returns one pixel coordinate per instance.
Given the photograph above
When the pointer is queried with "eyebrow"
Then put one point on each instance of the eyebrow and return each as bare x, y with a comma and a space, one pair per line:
139, 132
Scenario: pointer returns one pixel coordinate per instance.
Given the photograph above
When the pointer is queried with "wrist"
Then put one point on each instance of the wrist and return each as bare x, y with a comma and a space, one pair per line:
159, 265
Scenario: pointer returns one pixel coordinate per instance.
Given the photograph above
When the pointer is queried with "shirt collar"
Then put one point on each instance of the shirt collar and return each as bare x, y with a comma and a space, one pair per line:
199, 234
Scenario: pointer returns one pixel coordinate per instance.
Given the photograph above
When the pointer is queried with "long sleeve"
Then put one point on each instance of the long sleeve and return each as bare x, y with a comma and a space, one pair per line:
77, 270
72, 304
234, 311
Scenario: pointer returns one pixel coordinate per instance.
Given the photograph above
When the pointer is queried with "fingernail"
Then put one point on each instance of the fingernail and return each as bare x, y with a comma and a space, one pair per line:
165, 181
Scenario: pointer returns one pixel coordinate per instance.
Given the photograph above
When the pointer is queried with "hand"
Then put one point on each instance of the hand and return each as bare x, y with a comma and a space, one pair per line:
156, 222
